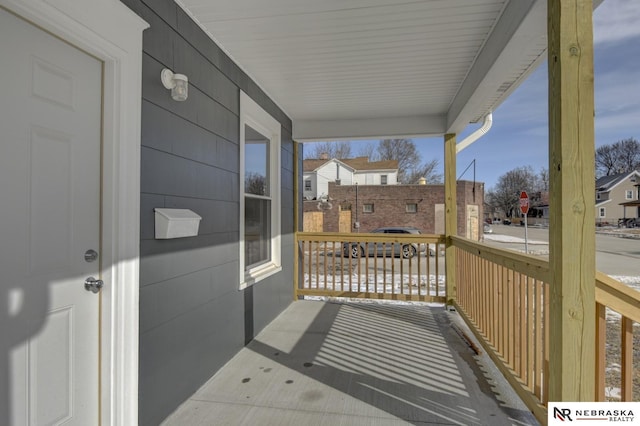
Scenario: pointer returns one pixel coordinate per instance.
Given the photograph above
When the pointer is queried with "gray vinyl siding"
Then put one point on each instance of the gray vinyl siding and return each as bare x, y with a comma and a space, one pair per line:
193, 318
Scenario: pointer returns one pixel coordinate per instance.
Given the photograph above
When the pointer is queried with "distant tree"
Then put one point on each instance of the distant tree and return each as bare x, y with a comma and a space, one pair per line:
255, 183
620, 157
404, 152
428, 170
368, 150
605, 160
409, 160
543, 182
506, 193
339, 150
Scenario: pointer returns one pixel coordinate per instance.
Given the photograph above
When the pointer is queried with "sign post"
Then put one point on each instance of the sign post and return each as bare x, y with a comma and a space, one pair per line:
524, 208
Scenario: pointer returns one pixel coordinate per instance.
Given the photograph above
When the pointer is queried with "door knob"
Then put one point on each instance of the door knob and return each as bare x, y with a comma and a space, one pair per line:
93, 285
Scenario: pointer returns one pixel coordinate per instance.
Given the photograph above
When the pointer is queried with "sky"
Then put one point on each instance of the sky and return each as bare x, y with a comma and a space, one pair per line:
519, 135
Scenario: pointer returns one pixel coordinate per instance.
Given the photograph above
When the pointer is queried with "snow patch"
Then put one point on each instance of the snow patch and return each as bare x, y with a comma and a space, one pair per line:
510, 239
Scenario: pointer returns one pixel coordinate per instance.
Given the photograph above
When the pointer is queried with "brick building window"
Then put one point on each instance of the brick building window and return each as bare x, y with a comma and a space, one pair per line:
367, 208
411, 208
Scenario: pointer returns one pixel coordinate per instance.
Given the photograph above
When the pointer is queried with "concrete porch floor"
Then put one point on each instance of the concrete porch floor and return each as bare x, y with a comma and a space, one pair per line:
326, 363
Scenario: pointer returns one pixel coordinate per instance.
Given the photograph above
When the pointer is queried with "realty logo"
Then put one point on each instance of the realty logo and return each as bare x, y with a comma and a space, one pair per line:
562, 414
593, 413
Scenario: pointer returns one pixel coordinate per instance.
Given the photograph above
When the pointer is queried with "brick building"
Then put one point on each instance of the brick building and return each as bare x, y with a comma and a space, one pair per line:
373, 206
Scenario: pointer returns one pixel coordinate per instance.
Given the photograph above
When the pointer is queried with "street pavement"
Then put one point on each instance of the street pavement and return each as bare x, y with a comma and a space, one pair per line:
616, 254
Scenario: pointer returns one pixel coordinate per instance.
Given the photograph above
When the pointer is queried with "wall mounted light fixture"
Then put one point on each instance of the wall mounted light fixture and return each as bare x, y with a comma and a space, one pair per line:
178, 83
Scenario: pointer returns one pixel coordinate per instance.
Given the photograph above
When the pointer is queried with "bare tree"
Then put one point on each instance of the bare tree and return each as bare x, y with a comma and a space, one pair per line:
605, 160
543, 176
404, 152
620, 157
255, 183
328, 150
369, 151
505, 195
428, 170
628, 155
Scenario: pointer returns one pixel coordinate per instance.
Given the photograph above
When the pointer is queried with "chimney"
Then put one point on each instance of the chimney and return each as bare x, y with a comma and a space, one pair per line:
422, 181
324, 155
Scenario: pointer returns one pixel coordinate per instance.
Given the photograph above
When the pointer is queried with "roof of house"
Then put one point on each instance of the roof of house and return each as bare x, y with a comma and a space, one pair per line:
358, 164
606, 183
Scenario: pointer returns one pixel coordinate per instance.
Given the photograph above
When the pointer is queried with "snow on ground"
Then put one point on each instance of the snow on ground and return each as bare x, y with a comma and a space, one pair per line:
633, 282
509, 239
380, 283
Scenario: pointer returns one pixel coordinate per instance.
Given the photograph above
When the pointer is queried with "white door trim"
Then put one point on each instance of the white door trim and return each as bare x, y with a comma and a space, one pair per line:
111, 32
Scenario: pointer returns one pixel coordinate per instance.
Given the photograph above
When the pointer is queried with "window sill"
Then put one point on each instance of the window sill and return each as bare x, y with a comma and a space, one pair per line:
259, 273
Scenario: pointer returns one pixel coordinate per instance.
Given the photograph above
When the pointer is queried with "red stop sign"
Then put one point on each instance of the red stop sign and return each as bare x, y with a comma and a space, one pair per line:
524, 202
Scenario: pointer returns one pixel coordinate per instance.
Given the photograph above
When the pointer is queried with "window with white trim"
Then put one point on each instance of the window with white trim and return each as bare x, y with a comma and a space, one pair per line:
629, 194
307, 185
597, 196
383, 179
602, 212
260, 193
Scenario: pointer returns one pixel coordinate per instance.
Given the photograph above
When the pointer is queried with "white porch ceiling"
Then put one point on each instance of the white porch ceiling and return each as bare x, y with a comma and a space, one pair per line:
346, 69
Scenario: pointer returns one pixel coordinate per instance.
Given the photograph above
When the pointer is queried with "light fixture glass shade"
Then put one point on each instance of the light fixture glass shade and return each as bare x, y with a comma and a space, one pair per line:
178, 83
180, 89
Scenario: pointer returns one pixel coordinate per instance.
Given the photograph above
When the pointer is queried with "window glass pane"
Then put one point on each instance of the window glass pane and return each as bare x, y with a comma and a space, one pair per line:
256, 163
257, 231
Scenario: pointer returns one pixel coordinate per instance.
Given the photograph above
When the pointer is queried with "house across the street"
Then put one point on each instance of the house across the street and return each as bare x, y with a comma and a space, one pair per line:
617, 198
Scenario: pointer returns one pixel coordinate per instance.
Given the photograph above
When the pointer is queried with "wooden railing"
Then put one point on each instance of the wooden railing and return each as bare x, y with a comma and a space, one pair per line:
504, 297
380, 266
622, 304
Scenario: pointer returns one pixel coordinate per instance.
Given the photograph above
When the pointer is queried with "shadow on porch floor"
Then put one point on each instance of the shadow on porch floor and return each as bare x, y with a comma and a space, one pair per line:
323, 363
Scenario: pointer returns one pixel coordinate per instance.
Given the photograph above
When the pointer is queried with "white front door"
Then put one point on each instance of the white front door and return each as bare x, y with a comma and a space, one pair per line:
50, 159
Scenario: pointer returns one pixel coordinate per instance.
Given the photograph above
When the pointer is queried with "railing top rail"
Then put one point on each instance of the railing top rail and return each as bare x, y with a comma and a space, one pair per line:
529, 265
370, 237
617, 296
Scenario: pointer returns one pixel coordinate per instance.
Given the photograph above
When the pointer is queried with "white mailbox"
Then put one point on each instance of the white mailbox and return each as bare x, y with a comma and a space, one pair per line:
176, 223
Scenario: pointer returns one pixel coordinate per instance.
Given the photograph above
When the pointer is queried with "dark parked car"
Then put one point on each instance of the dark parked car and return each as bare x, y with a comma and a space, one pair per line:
506, 222
405, 250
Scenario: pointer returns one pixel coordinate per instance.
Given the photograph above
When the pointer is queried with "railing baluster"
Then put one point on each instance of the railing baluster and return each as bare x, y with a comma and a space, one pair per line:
538, 371
333, 265
531, 343
324, 251
393, 271
522, 332
626, 337
375, 267
545, 330
601, 348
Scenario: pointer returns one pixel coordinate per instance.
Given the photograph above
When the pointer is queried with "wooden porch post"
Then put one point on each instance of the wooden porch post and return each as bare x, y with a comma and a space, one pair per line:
451, 214
297, 153
572, 212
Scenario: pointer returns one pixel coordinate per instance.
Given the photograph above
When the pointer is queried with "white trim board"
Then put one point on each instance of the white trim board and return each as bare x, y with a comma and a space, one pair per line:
111, 32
